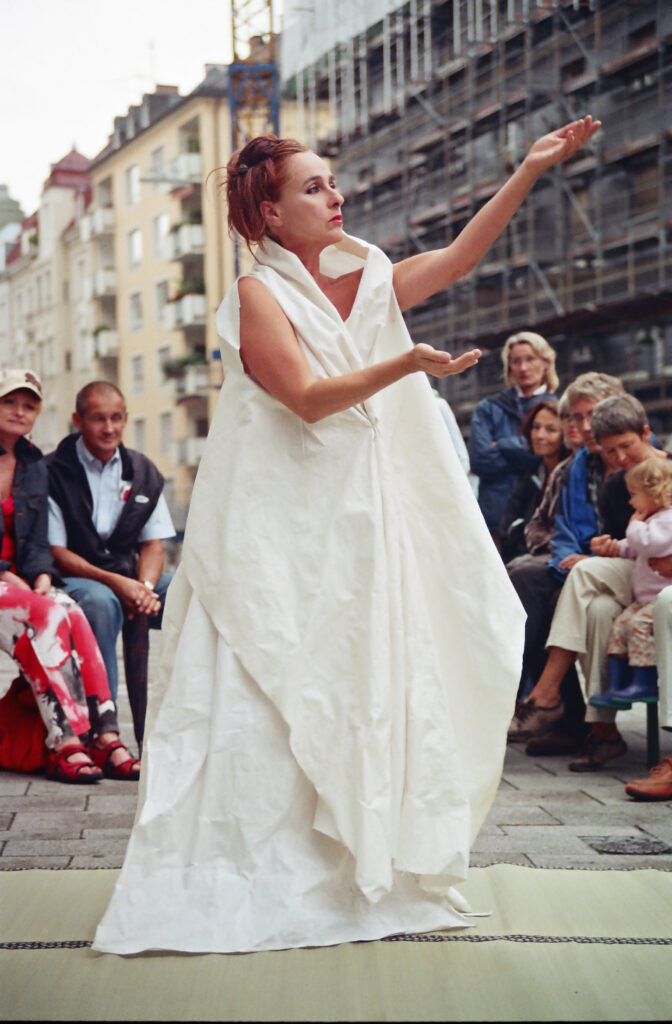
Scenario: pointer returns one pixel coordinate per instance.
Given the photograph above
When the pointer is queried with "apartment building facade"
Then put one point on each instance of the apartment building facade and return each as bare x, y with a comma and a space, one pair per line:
435, 102
160, 262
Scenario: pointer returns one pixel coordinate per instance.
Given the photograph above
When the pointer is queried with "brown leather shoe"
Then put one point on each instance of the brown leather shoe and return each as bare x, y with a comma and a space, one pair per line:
595, 751
530, 720
658, 785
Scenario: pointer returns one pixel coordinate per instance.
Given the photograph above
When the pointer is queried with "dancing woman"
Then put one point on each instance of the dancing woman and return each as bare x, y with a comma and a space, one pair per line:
341, 643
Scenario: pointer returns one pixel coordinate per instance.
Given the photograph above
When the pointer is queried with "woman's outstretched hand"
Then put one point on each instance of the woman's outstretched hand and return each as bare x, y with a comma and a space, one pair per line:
560, 145
440, 364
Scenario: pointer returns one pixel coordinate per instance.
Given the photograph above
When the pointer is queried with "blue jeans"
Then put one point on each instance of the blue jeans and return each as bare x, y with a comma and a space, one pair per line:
105, 613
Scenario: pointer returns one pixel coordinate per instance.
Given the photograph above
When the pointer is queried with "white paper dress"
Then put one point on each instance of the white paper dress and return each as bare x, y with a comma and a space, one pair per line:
341, 651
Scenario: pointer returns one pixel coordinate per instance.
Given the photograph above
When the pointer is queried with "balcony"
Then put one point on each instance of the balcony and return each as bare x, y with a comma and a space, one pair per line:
188, 452
187, 167
187, 311
194, 382
186, 241
103, 283
106, 343
97, 223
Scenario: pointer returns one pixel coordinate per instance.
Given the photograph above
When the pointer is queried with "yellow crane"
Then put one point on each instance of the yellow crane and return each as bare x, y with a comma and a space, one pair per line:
253, 76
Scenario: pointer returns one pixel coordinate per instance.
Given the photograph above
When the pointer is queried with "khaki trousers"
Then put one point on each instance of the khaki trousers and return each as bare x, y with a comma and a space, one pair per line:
594, 593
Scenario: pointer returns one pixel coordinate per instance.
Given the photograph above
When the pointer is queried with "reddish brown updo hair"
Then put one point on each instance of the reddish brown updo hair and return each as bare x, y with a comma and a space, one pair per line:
254, 174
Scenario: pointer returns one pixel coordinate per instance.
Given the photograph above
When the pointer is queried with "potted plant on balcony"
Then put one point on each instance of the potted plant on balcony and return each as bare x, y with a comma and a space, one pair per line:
174, 369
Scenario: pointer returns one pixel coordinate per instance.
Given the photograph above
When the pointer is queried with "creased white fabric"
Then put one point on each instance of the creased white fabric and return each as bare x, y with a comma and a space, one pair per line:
339, 584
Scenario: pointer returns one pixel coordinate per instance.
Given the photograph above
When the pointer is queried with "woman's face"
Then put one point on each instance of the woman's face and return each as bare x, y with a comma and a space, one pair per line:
18, 412
546, 434
527, 368
308, 211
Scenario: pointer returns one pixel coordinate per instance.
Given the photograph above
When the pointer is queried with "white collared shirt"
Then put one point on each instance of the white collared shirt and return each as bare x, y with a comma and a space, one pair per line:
109, 492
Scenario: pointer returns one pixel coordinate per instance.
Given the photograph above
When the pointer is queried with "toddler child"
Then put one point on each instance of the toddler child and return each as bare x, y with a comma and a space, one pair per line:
632, 655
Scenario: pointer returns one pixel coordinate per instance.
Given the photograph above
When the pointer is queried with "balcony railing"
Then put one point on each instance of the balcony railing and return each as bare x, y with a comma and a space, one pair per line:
103, 283
187, 240
188, 452
98, 222
187, 167
106, 343
194, 383
188, 311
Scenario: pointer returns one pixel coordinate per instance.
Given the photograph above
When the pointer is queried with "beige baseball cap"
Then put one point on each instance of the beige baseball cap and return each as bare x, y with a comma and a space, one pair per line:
14, 380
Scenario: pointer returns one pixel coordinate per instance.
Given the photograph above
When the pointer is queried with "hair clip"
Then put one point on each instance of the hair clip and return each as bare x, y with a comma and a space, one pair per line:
242, 169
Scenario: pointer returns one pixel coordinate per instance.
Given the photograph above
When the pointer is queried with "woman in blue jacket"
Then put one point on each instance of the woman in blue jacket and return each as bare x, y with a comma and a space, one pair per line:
499, 454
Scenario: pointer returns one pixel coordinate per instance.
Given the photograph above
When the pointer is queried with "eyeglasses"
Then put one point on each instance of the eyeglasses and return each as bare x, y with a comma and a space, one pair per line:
578, 421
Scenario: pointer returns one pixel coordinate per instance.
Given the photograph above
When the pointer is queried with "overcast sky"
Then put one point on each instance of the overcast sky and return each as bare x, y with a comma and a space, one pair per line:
69, 67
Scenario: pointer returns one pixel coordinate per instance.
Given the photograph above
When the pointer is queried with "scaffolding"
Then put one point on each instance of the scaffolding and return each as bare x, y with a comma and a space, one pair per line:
436, 101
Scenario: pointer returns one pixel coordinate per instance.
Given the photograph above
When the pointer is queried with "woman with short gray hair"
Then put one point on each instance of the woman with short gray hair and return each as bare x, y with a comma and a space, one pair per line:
499, 454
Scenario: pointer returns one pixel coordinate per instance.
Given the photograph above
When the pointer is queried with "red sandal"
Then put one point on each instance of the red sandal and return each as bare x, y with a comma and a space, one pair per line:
61, 769
102, 757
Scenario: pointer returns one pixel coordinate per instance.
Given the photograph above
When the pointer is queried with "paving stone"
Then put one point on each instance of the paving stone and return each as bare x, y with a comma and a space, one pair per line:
486, 860
34, 832
514, 815
535, 838
114, 802
489, 828
30, 863
600, 862
13, 784
105, 859
25, 821
57, 847
72, 799
660, 829
629, 813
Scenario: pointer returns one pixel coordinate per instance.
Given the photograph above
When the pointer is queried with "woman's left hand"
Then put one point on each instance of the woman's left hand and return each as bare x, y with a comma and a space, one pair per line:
42, 583
560, 145
438, 363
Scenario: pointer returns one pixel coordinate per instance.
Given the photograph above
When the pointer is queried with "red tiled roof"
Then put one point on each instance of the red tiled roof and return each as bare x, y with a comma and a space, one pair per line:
14, 252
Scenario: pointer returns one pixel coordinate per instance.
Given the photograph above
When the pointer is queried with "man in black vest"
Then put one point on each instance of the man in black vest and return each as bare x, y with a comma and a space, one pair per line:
107, 522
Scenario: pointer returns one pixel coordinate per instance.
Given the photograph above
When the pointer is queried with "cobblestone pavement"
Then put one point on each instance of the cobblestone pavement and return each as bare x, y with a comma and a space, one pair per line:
543, 815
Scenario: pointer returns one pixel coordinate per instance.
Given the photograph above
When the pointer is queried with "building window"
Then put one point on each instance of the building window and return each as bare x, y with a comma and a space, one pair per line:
132, 184
134, 247
160, 229
161, 300
137, 375
140, 434
162, 357
135, 311
165, 432
80, 279
157, 164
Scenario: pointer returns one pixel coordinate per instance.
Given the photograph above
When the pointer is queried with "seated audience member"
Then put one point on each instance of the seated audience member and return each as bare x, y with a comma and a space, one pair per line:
108, 519
542, 429
538, 582
539, 529
595, 591
40, 627
631, 663
498, 453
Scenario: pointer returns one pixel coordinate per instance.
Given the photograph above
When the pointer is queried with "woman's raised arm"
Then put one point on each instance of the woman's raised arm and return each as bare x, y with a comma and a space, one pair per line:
418, 277
272, 355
